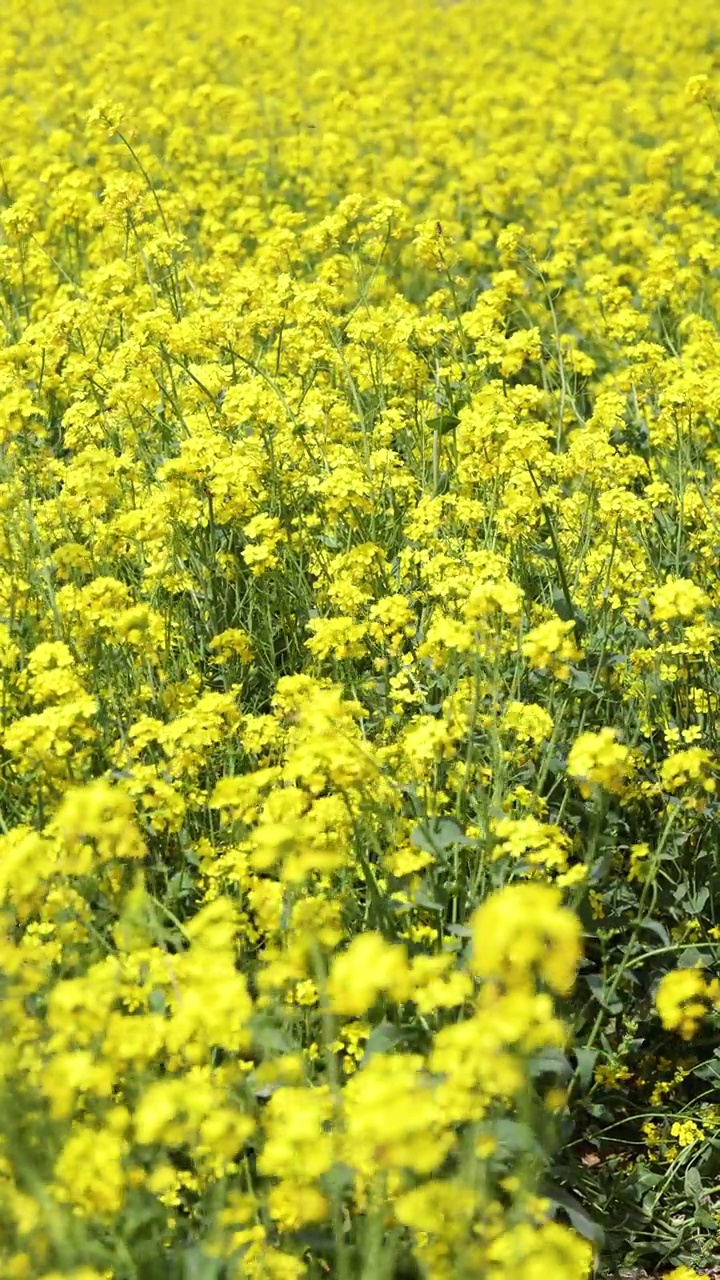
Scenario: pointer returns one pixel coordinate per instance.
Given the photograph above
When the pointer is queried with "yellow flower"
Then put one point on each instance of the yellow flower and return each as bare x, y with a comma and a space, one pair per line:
297, 1145
233, 642
697, 89
540, 844
683, 998
551, 647
599, 760
683, 768
686, 1132
678, 598
528, 721
89, 1173
523, 931
369, 967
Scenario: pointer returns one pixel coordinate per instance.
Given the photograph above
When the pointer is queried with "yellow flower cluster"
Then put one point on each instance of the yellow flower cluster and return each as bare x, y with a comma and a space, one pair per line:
684, 997
359, 622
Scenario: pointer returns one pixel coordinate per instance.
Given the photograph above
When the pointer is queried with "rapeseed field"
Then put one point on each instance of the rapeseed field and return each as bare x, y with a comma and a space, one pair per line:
359, 639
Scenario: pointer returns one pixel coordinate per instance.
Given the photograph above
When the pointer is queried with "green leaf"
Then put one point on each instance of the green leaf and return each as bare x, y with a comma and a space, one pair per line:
709, 1071
459, 930
157, 1001
580, 679
197, 1265
577, 1213
561, 606
697, 901
382, 1039
179, 887
444, 423
424, 900
597, 985
693, 1183
437, 835
551, 1062
338, 1180
646, 1179
268, 1036
516, 1138
586, 1059
656, 927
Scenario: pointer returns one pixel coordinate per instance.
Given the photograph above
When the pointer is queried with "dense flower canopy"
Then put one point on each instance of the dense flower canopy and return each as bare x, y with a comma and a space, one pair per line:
359, 625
